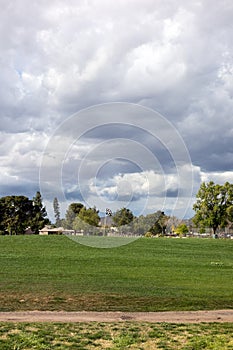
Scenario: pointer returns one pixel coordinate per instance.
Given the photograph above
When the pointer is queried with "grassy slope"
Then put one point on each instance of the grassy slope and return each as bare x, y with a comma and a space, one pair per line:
53, 272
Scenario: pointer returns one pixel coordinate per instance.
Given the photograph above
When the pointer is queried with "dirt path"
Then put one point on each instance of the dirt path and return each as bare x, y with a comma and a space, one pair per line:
170, 316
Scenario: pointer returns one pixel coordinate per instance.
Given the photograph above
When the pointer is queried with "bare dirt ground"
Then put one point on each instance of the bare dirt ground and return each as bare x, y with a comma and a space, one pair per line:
84, 316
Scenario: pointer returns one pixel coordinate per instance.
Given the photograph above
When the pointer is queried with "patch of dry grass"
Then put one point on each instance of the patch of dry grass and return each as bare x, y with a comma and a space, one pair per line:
124, 335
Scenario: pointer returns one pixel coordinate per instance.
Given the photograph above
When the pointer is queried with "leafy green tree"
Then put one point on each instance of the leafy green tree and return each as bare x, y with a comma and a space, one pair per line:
159, 223
56, 209
71, 213
230, 215
123, 217
76, 207
90, 216
87, 220
182, 229
213, 205
155, 223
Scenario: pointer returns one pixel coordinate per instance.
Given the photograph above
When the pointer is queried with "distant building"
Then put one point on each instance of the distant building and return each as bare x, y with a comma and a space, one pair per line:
48, 230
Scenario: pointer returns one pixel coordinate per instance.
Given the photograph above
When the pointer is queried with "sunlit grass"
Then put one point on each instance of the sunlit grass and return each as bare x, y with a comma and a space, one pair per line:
56, 273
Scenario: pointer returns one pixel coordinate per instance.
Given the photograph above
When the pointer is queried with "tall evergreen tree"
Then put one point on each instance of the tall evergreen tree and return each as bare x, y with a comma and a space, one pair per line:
19, 213
16, 214
123, 217
56, 209
40, 218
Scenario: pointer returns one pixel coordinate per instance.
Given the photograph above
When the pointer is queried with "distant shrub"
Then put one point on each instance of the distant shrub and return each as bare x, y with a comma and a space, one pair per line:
148, 234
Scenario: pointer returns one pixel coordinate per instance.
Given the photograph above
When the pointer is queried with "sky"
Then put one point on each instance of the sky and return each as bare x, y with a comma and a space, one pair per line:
116, 104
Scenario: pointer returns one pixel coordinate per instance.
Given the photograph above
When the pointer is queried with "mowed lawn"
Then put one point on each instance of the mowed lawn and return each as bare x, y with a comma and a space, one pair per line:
56, 273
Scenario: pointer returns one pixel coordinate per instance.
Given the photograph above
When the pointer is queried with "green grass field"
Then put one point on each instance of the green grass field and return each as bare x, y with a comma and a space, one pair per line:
55, 273
115, 336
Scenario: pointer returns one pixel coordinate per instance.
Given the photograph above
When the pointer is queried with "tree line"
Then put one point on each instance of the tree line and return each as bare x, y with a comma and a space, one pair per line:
80, 218
213, 209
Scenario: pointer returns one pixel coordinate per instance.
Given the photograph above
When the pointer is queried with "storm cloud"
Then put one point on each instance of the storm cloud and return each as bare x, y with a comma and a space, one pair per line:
61, 57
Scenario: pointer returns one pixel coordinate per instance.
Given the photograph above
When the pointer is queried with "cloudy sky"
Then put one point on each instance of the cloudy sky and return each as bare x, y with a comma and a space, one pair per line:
116, 103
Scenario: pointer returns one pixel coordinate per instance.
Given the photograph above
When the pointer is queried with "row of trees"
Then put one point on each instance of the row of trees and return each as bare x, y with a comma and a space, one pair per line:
78, 217
213, 209
17, 213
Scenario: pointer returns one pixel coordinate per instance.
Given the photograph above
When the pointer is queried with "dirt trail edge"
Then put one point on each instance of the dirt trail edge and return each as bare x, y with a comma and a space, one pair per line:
87, 316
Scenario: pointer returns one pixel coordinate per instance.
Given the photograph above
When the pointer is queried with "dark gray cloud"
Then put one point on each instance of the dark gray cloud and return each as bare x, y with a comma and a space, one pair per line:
58, 57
